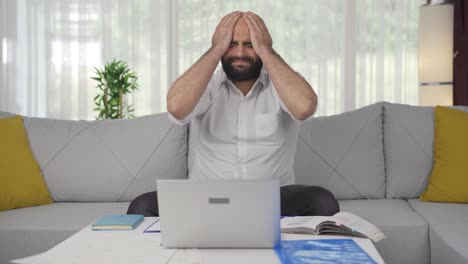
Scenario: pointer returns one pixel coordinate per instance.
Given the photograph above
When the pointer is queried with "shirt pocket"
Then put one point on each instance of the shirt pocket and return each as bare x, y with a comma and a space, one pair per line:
268, 128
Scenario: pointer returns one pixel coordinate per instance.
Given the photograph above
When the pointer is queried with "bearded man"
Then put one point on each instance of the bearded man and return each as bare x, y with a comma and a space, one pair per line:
246, 116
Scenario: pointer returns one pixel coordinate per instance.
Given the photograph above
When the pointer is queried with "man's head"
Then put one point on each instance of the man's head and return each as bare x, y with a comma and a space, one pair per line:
240, 62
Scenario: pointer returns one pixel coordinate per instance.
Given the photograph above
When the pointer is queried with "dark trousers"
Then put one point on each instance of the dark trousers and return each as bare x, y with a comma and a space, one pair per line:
296, 200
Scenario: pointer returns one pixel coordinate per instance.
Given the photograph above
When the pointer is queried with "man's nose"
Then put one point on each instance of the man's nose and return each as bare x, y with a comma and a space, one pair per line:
240, 50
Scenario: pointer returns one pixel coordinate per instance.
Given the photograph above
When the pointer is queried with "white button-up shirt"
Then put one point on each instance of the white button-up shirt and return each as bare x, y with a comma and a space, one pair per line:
242, 137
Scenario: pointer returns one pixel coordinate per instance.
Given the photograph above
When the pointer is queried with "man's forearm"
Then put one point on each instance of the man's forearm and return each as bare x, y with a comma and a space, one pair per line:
186, 91
295, 92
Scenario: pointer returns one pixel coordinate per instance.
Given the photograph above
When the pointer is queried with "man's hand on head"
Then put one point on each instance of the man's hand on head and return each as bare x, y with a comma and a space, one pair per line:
222, 36
259, 35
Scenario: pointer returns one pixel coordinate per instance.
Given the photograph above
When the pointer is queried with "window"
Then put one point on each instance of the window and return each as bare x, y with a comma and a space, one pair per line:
353, 52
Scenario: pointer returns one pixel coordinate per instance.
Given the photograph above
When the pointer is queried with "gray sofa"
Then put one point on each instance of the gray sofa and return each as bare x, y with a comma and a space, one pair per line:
376, 160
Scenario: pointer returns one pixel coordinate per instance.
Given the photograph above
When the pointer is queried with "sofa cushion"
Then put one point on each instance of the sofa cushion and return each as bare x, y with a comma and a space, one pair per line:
448, 228
28, 231
107, 160
21, 180
408, 146
343, 153
407, 238
408, 137
448, 181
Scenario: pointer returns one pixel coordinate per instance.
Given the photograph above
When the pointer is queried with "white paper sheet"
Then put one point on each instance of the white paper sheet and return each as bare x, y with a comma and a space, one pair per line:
154, 227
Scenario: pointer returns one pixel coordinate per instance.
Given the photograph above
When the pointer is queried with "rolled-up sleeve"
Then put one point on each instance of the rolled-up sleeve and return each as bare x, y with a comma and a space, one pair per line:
206, 100
201, 107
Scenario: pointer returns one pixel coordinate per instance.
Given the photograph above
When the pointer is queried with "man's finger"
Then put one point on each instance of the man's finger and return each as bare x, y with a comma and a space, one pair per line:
253, 24
227, 17
232, 20
260, 22
228, 24
253, 20
249, 23
231, 14
257, 17
264, 27
221, 23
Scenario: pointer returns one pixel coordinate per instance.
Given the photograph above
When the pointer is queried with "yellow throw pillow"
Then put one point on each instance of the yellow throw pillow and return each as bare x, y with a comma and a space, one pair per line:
449, 177
21, 180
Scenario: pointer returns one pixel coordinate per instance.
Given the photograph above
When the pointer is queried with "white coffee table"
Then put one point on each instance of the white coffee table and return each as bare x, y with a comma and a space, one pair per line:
135, 246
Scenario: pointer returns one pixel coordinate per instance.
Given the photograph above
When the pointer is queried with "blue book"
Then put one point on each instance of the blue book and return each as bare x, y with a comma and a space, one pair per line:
118, 222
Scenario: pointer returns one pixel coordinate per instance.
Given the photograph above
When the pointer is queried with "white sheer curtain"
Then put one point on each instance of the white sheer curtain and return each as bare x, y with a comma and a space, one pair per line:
353, 52
51, 46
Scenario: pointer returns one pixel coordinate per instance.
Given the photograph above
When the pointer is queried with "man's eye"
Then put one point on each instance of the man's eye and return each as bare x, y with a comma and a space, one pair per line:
232, 45
248, 45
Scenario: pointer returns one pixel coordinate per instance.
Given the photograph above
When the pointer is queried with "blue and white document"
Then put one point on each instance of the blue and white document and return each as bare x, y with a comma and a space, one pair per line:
322, 251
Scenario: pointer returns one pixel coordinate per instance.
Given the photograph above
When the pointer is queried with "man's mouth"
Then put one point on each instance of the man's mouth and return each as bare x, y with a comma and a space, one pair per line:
240, 62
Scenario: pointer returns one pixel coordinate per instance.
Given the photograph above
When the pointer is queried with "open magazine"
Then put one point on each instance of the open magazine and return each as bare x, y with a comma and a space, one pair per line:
342, 223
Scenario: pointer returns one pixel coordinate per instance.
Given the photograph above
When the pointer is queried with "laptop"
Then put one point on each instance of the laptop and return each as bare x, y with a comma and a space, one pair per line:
219, 214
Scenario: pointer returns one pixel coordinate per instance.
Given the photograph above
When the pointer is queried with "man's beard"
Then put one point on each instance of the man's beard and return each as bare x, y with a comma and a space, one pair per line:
245, 74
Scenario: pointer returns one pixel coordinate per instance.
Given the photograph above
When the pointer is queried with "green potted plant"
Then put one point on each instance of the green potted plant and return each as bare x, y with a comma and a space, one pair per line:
115, 82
